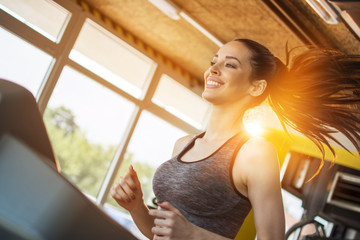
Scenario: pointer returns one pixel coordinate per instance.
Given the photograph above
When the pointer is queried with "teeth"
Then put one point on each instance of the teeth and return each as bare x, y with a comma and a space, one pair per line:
209, 82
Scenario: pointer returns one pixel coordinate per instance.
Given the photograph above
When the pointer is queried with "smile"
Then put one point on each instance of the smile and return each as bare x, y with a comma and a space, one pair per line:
212, 83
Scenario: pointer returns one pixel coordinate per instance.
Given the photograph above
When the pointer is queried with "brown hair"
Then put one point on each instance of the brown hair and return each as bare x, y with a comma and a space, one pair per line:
317, 96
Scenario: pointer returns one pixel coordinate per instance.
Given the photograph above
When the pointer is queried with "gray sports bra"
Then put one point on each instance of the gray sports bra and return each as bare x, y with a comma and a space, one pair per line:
203, 191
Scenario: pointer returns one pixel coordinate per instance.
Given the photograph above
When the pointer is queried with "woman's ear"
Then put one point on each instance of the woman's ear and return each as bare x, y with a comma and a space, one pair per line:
258, 87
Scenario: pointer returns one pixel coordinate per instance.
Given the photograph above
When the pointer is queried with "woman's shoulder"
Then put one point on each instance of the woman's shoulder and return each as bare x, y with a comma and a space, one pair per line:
181, 143
256, 162
257, 141
257, 149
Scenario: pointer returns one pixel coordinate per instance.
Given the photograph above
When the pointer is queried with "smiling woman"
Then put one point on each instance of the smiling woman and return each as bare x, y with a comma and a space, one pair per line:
112, 99
227, 79
215, 178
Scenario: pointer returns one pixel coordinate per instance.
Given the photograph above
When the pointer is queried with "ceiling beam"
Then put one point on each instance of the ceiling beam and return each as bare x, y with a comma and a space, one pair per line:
292, 21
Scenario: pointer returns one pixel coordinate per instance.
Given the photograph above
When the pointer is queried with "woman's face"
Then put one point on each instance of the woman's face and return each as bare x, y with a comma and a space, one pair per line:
227, 79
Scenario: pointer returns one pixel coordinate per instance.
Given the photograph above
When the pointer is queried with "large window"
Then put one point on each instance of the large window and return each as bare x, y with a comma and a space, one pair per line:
91, 86
85, 121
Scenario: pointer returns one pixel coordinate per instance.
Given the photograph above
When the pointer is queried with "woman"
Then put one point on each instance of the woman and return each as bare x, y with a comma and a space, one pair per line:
213, 180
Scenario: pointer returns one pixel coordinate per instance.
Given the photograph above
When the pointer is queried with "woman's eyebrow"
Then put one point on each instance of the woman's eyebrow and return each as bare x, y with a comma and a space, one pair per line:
228, 57
231, 57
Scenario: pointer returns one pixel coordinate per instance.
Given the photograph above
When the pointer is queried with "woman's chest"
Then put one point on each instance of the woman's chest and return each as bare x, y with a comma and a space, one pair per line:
200, 150
200, 185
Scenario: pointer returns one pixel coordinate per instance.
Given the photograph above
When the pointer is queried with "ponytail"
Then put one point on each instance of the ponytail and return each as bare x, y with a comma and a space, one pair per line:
319, 95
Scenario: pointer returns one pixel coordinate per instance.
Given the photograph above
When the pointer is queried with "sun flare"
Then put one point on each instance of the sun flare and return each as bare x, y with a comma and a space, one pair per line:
254, 128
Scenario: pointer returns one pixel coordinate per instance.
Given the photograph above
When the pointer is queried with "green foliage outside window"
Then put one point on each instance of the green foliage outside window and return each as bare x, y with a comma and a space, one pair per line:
85, 163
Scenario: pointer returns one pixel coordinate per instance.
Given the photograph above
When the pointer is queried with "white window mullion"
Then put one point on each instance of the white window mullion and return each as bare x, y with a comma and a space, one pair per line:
116, 162
61, 57
15, 26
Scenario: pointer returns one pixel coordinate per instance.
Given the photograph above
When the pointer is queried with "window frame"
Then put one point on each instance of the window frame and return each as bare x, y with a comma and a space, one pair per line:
60, 52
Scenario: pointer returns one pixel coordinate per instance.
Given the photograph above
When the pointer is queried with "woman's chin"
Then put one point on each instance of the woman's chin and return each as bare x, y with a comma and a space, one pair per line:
207, 96
211, 98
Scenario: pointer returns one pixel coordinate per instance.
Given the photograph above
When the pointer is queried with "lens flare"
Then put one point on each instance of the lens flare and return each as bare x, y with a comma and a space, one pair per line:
254, 128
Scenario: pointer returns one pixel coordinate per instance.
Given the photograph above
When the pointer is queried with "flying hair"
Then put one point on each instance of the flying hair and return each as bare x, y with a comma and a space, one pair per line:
318, 95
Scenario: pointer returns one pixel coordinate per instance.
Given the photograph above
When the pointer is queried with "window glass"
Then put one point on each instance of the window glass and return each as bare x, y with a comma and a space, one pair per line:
45, 16
86, 122
182, 102
151, 144
22, 63
112, 59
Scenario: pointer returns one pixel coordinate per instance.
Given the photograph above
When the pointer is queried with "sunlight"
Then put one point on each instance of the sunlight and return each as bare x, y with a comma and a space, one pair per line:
254, 128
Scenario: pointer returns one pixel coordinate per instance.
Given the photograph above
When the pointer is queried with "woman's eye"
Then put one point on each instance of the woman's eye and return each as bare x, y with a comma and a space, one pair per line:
212, 63
229, 65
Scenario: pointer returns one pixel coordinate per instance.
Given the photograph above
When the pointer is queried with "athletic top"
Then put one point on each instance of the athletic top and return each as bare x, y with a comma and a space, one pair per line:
203, 190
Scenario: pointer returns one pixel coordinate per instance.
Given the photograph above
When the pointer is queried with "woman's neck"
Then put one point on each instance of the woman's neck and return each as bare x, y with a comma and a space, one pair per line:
224, 122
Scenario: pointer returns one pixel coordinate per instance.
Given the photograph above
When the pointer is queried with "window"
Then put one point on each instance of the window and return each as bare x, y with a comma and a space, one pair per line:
44, 16
151, 144
22, 63
182, 102
86, 122
112, 59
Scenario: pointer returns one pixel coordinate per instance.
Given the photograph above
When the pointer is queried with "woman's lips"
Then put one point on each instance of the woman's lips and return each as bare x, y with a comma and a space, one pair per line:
213, 82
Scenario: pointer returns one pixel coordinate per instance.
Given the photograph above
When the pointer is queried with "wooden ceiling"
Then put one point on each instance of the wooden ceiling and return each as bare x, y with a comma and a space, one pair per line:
270, 22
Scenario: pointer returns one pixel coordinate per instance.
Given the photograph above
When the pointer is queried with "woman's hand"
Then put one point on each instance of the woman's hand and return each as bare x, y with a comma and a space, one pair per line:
170, 224
127, 191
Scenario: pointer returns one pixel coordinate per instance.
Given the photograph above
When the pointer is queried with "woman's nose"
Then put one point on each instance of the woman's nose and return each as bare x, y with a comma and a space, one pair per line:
214, 69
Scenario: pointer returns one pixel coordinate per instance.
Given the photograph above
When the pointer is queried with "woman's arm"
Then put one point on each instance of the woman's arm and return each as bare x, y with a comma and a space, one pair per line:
143, 220
128, 193
258, 166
